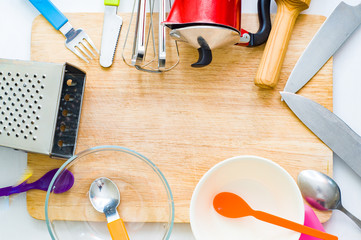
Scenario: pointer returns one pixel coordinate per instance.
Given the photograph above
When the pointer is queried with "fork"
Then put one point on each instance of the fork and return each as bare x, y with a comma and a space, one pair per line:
77, 40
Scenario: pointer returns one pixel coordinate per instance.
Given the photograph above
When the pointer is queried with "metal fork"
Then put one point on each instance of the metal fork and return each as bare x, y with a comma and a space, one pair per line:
77, 40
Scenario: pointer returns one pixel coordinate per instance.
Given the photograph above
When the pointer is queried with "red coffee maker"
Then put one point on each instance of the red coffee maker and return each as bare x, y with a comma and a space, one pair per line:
209, 24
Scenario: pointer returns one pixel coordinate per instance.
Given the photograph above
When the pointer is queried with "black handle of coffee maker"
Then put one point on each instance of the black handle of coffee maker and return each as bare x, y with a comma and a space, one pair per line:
264, 18
205, 54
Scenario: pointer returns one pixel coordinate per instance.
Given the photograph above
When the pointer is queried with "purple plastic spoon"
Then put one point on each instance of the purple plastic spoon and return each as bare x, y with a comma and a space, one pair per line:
64, 183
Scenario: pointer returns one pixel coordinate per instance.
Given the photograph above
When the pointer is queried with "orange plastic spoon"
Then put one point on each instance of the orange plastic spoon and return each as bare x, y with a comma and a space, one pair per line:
233, 206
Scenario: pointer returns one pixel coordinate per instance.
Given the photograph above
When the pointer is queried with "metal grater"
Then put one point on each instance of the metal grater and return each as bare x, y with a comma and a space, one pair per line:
40, 105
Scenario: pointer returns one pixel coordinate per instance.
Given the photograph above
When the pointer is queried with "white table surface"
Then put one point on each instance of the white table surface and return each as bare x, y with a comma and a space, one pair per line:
16, 18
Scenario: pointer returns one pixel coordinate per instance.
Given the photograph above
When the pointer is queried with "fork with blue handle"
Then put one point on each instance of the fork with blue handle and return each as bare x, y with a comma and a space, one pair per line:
77, 40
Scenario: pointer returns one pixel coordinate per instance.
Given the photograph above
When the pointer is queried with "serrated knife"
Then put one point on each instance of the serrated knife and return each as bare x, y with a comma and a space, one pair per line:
337, 28
111, 30
334, 132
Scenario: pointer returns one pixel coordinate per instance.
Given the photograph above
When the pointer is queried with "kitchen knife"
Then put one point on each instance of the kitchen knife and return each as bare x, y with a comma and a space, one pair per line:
333, 33
334, 132
111, 29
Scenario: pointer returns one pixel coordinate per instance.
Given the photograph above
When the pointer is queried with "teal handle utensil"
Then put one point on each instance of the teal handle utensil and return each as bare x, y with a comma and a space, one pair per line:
50, 12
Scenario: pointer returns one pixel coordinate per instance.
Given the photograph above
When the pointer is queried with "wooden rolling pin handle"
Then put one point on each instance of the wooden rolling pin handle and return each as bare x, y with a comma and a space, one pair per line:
271, 62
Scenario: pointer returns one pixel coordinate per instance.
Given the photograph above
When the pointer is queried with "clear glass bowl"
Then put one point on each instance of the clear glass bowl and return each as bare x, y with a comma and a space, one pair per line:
146, 203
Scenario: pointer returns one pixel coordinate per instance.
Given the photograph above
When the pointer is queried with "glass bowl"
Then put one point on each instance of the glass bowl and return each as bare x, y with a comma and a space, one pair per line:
146, 201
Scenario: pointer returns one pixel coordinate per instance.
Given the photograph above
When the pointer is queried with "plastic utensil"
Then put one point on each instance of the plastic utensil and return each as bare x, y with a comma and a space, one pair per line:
233, 206
105, 197
65, 182
311, 220
322, 192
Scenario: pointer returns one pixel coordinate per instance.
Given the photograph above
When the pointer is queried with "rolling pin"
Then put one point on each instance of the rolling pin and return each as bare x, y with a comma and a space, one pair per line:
272, 59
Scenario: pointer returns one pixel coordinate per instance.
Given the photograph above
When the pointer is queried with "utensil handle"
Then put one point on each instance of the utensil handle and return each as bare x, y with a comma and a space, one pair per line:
139, 37
266, 217
111, 2
276, 47
117, 230
5, 191
50, 12
261, 36
350, 215
161, 36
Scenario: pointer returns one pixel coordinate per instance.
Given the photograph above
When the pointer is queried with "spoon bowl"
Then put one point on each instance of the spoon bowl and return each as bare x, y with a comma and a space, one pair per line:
104, 194
322, 192
231, 205
66, 181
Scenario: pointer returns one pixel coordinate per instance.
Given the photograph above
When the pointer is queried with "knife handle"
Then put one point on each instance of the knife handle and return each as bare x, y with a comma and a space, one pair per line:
111, 2
272, 59
50, 12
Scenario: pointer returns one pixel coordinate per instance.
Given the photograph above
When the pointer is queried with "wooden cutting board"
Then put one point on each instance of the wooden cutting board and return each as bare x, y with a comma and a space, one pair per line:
186, 120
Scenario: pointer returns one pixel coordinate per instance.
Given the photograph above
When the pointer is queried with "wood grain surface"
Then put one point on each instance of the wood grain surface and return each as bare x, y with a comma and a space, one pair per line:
185, 120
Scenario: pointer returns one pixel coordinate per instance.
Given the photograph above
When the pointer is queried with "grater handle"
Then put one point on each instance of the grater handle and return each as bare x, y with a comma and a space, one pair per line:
50, 12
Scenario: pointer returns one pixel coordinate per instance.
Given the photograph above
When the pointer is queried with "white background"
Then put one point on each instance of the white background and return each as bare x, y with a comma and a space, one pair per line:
16, 18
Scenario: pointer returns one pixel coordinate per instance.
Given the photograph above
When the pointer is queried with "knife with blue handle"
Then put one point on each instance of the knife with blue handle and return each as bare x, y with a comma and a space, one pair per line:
337, 28
328, 127
76, 41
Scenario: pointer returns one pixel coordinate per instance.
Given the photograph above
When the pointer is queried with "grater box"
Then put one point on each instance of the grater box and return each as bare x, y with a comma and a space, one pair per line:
40, 106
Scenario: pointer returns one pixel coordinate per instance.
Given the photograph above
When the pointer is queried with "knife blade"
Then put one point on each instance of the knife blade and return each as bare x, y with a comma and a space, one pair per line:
328, 127
112, 26
337, 28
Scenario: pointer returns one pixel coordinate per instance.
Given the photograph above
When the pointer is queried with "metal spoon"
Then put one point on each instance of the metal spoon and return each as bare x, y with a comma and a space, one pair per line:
322, 192
105, 197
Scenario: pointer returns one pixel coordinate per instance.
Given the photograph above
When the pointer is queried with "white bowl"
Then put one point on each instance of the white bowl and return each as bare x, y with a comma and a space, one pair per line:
263, 184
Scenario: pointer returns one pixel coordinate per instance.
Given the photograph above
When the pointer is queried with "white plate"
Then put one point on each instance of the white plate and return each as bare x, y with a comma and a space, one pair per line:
264, 185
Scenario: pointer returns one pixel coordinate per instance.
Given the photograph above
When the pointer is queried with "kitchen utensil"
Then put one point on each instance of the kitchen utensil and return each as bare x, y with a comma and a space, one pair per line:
311, 220
263, 183
170, 117
334, 132
231, 205
162, 36
337, 28
40, 106
144, 54
64, 184
322, 192
145, 197
206, 25
272, 59
76, 41
105, 197
111, 30
139, 47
